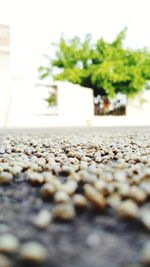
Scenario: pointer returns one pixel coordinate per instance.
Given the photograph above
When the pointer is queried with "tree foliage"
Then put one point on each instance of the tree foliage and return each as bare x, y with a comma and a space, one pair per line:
106, 67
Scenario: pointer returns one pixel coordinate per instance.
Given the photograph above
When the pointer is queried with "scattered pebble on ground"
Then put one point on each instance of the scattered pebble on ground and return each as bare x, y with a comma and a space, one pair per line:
75, 172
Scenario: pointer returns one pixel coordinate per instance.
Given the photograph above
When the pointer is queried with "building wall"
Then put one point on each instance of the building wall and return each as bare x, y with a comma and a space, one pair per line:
75, 103
4, 73
4, 48
25, 106
28, 107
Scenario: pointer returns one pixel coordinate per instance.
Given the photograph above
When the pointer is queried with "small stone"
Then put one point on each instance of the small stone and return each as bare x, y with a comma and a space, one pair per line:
8, 243
5, 177
128, 209
137, 194
89, 178
61, 197
64, 212
114, 200
56, 183
41, 162
120, 176
79, 201
33, 252
36, 168
2, 151
35, 178
5, 261
123, 189
67, 169
48, 176
104, 187
83, 165
43, 219
98, 159
69, 187
74, 176
145, 186
145, 254
15, 170
96, 198
48, 190
145, 217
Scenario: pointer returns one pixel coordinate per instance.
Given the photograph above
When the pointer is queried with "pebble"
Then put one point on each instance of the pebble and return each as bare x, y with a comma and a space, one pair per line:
128, 209
8, 243
5, 261
35, 178
64, 212
5, 177
137, 194
61, 197
114, 201
98, 159
33, 252
145, 217
96, 198
79, 201
48, 190
48, 177
103, 187
145, 254
43, 219
69, 187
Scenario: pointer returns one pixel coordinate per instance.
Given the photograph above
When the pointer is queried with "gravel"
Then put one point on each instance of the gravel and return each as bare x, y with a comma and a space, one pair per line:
75, 197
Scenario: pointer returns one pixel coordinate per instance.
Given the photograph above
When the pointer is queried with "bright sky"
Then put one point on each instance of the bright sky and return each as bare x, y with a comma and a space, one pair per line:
35, 24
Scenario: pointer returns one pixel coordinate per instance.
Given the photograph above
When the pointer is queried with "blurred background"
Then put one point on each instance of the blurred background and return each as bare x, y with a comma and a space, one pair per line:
74, 63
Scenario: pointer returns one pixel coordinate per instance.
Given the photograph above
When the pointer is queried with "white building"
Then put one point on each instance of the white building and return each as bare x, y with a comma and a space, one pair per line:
4, 73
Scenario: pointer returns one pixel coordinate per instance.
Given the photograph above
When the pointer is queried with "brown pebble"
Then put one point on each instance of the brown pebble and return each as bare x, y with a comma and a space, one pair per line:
79, 201
128, 209
61, 197
5, 177
33, 252
96, 198
5, 261
64, 212
48, 190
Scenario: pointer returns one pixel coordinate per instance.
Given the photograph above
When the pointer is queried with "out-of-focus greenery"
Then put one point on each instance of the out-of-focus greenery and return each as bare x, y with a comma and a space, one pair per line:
51, 99
108, 68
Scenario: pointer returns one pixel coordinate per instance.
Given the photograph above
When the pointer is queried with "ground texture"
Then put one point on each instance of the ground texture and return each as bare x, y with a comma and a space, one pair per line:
99, 234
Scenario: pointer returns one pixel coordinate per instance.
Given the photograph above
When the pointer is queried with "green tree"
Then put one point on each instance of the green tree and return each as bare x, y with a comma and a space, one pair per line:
108, 68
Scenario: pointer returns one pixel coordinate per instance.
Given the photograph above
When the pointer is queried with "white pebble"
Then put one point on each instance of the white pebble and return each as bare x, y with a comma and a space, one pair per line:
5, 261
33, 252
6, 177
43, 219
64, 212
61, 197
8, 243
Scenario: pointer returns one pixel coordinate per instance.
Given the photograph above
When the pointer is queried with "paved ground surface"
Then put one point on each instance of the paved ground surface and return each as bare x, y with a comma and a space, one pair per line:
94, 238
